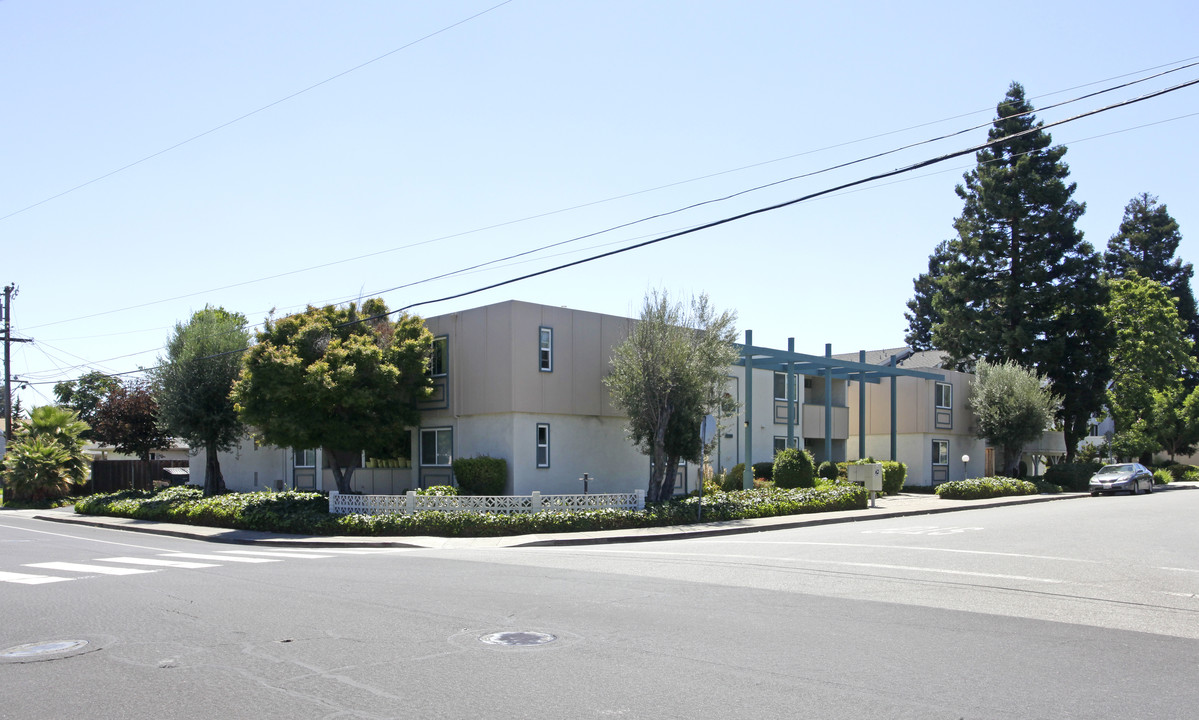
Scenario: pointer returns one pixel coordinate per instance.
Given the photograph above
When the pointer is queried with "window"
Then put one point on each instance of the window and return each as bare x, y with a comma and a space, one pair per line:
545, 350
780, 443
940, 452
439, 364
780, 386
1093, 430
543, 445
305, 458
944, 395
437, 447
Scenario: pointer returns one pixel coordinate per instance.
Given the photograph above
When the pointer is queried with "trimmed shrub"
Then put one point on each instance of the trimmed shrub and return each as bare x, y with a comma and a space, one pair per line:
1072, 476
308, 513
733, 479
481, 475
894, 473
797, 467
1180, 471
827, 470
438, 490
1162, 477
764, 470
987, 487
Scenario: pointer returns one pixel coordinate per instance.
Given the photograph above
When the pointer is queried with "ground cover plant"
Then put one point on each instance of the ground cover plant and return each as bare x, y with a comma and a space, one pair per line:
308, 513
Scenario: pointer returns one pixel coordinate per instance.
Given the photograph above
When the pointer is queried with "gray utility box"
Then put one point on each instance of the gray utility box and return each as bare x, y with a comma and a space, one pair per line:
868, 476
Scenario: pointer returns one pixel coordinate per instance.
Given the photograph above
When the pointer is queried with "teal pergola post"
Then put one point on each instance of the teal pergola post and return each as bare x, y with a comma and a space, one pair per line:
790, 396
862, 408
828, 406
894, 437
747, 475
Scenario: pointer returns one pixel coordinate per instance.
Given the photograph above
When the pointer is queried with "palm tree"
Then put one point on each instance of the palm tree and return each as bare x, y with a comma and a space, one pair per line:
46, 458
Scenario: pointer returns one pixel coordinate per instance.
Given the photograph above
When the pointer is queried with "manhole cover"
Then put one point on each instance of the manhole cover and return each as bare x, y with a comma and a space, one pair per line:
523, 638
33, 650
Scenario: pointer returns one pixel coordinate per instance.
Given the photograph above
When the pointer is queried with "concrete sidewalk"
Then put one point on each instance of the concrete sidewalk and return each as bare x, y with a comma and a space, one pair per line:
904, 505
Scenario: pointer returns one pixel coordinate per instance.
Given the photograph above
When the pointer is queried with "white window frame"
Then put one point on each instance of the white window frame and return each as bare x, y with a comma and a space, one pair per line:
438, 451
945, 452
540, 445
302, 457
943, 391
545, 349
783, 397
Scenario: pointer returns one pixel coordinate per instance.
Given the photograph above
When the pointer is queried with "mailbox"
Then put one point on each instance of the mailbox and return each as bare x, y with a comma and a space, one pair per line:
869, 476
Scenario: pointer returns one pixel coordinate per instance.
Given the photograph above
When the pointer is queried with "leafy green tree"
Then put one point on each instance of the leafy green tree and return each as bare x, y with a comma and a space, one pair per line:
337, 378
1150, 352
1013, 406
46, 458
794, 468
1173, 420
1146, 244
85, 395
666, 375
1018, 283
193, 381
127, 419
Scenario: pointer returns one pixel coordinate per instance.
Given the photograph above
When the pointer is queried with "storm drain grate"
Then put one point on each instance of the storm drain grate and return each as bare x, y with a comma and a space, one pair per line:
34, 650
518, 639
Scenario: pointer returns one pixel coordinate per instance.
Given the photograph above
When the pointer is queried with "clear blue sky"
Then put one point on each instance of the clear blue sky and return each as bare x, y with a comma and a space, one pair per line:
433, 158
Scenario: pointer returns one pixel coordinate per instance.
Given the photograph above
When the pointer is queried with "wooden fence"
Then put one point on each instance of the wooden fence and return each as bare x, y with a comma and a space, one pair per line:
114, 475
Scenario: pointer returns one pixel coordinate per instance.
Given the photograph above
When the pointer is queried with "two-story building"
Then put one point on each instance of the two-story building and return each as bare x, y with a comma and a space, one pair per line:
524, 382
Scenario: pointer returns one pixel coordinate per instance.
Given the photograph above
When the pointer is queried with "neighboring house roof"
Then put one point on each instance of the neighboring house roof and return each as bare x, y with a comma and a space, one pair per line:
906, 357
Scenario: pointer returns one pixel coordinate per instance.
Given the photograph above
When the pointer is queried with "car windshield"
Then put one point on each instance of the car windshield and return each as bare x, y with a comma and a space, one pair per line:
1115, 469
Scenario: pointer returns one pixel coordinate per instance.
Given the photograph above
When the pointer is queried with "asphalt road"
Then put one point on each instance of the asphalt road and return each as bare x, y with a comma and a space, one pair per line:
1080, 609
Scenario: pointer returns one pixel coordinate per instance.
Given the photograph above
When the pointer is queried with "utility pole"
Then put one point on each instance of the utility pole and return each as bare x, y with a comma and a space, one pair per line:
10, 291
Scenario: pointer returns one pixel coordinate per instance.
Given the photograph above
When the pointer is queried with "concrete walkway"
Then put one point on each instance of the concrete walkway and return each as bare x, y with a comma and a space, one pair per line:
893, 506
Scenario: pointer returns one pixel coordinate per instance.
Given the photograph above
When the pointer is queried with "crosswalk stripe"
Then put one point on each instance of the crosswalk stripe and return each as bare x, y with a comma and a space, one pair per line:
157, 563
79, 567
219, 558
276, 554
25, 579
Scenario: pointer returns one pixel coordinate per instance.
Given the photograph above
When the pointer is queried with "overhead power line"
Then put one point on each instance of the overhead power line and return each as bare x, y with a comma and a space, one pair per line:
758, 211
1189, 63
252, 113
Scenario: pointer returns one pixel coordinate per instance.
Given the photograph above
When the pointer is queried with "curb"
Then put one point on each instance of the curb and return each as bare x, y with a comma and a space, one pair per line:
676, 532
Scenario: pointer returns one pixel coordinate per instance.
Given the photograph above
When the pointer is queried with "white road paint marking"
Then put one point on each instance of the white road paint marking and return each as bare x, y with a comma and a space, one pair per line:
921, 530
906, 547
79, 567
218, 558
24, 579
1174, 569
157, 563
91, 540
875, 566
284, 553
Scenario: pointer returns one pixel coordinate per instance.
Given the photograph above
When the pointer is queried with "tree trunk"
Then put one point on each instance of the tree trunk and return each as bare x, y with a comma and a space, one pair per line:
214, 482
668, 479
343, 464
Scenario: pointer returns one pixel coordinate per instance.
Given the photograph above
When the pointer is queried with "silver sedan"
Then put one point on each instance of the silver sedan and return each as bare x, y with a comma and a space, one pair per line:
1125, 477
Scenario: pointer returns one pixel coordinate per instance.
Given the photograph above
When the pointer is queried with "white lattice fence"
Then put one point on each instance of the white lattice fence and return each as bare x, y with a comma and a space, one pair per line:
412, 503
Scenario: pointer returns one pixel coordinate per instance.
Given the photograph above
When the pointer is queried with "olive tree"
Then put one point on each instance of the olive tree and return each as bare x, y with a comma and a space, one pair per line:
1013, 406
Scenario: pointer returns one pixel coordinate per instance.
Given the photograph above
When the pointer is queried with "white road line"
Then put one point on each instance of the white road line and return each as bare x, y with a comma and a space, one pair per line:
157, 563
275, 554
91, 540
79, 567
718, 541
24, 579
807, 561
1174, 569
218, 558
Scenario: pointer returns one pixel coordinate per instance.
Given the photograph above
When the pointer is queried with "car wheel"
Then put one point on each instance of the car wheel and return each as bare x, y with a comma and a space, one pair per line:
1134, 487
1094, 494
1149, 489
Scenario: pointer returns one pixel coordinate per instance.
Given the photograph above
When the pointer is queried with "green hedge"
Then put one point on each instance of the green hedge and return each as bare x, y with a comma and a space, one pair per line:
481, 475
308, 513
794, 468
764, 470
894, 473
987, 487
1072, 476
1161, 476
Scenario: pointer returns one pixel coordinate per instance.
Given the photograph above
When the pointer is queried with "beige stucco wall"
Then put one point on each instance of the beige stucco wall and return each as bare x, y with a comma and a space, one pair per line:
246, 468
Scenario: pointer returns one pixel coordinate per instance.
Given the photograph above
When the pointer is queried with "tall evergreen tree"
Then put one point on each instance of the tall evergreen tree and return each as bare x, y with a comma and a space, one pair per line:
1146, 243
1018, 283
